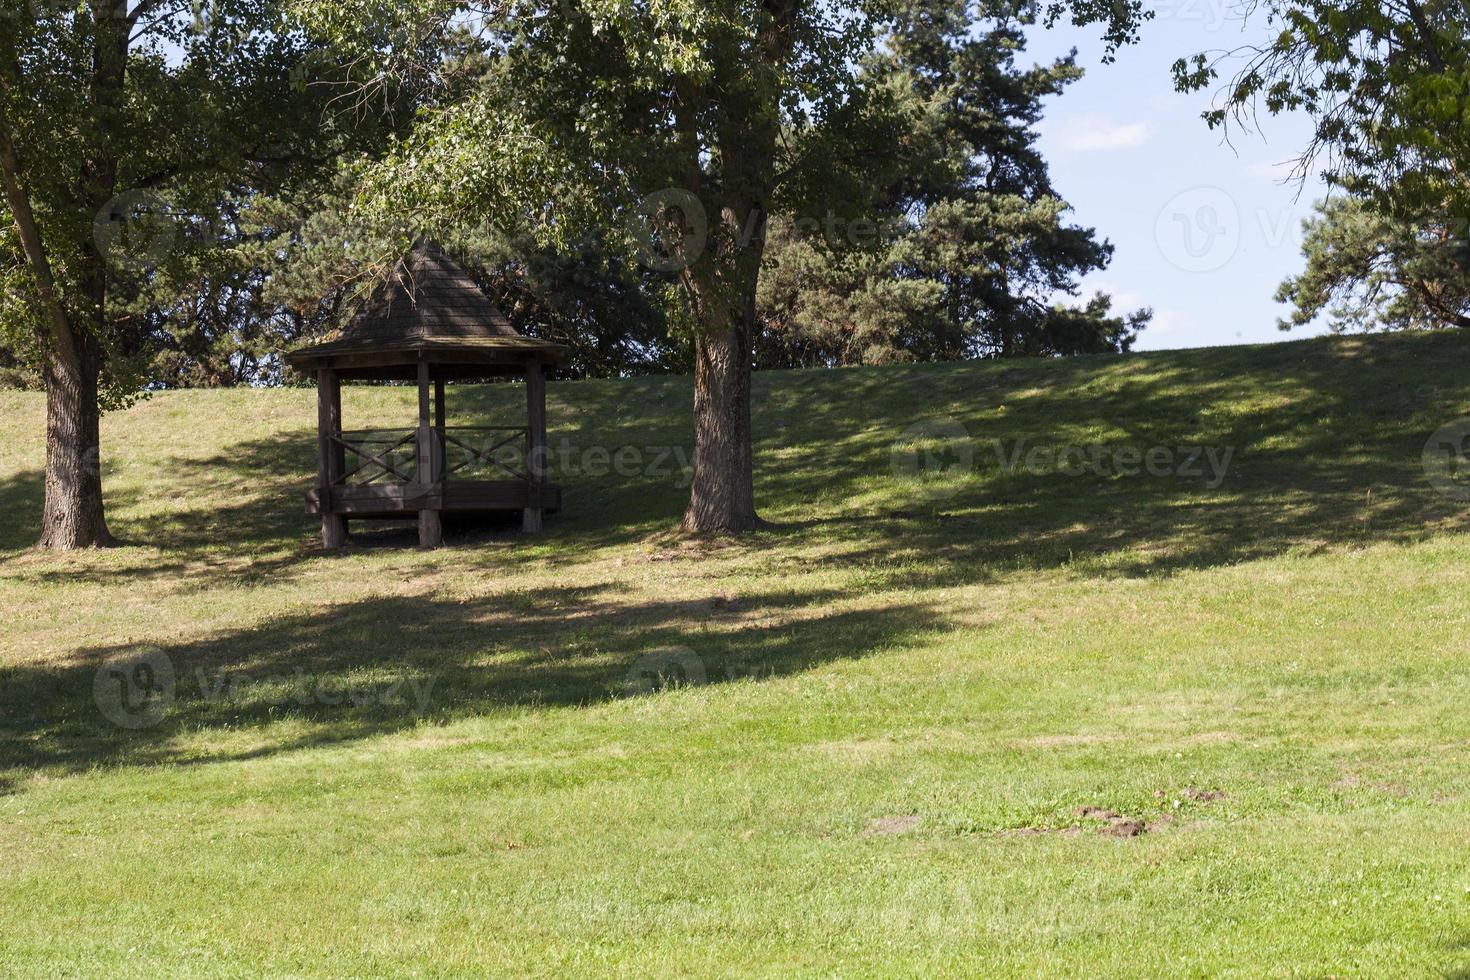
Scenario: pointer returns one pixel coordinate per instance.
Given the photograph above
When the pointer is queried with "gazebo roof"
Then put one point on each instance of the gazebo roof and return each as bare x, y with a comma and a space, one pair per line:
428, 309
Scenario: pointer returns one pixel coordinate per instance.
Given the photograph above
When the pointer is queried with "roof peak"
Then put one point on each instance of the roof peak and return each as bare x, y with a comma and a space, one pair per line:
426, 302
427, 296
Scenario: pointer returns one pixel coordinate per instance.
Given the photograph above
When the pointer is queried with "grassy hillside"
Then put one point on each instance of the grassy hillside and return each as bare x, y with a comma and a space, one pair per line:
999, 719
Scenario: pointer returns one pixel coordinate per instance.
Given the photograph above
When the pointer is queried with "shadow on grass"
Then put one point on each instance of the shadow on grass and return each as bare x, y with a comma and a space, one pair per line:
1327, 439
20, 501
375, 667
1325, 442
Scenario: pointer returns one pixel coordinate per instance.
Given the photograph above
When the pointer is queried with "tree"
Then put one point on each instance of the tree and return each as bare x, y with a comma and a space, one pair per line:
121, 124
970, 279
279, 269
1386, 83
305, 265
707, 116
972, 242
612, 319
1366, 270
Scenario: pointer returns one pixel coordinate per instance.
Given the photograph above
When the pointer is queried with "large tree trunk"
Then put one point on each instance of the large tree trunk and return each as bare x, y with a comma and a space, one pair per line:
72, 507
72, 512
722, 495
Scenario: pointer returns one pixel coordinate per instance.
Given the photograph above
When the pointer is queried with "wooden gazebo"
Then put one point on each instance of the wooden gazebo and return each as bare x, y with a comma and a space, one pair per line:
428, 322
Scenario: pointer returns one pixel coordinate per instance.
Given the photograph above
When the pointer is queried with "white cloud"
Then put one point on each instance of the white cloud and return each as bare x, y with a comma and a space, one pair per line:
1169, 102
1272, 171
1172, 323
1095, 132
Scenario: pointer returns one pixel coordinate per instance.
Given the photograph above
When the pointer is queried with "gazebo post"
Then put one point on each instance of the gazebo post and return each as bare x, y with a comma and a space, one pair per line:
431, 527
329, 453
441, 449
535, 445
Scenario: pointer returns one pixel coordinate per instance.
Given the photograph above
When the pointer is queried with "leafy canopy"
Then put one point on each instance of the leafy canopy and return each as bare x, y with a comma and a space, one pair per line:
1386, 82
588, 106
973, 240
141, 131
1366, 270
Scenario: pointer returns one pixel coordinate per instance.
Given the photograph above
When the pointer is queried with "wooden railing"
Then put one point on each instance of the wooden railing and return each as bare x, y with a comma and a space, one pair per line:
463, 453
484, 453
376, 455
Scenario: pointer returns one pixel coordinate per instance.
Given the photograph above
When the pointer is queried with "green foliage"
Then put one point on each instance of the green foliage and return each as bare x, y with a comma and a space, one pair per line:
1387, 85
585, 107
278, 270
614, 321
537, 136
315, 262
19, 323
1366, 270
971, 241
1388, 89
140, 162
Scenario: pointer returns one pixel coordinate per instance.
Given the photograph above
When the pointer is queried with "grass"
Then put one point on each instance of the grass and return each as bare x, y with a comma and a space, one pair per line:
912, 687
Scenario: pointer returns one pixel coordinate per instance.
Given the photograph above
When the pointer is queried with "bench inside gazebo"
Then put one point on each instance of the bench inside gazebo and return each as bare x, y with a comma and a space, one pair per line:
428, 323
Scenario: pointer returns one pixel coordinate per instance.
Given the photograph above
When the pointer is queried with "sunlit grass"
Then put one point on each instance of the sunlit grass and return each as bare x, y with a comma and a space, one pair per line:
858, 742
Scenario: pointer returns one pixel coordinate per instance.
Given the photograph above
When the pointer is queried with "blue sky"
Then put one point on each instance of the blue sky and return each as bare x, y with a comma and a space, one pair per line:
1204, 231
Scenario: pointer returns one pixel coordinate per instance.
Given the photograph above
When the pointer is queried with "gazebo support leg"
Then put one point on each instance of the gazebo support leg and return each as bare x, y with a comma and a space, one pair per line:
328, 428
334, 532
441, 427
531, 520
431, 527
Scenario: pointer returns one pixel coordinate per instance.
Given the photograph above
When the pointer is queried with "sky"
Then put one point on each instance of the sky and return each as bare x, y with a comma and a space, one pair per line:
1204, 231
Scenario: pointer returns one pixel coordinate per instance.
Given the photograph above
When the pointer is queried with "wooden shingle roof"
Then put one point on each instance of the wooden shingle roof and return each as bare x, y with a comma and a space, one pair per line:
428, 308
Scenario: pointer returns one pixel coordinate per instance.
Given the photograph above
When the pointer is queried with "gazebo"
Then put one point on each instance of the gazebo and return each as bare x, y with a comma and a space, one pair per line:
429, 323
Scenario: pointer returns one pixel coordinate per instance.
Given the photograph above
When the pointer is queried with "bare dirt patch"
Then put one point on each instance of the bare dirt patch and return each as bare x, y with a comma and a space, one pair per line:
1114, 824
892, 826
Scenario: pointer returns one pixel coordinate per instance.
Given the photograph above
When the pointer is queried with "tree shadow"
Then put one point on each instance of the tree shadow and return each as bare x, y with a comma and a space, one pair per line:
20, 496
392, 663
1327, 437
236, 516
1326, 442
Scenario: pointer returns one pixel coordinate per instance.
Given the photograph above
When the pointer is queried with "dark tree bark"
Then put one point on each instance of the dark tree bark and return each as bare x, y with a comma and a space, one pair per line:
722, 495
72, 514
744, 124
722, 289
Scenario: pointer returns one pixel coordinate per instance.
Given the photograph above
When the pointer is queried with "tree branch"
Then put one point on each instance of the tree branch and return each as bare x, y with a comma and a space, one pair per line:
30, 238
1426, 36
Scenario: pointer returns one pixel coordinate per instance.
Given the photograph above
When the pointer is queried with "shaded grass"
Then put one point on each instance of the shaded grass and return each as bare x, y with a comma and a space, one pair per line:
912, 686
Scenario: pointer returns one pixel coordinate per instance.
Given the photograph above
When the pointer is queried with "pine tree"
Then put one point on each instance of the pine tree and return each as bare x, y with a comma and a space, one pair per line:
976, 241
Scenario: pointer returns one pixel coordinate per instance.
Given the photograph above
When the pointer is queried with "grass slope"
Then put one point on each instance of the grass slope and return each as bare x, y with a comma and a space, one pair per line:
914, 685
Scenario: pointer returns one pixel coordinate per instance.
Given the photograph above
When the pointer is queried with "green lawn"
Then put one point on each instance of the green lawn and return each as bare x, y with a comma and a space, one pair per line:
913, 687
